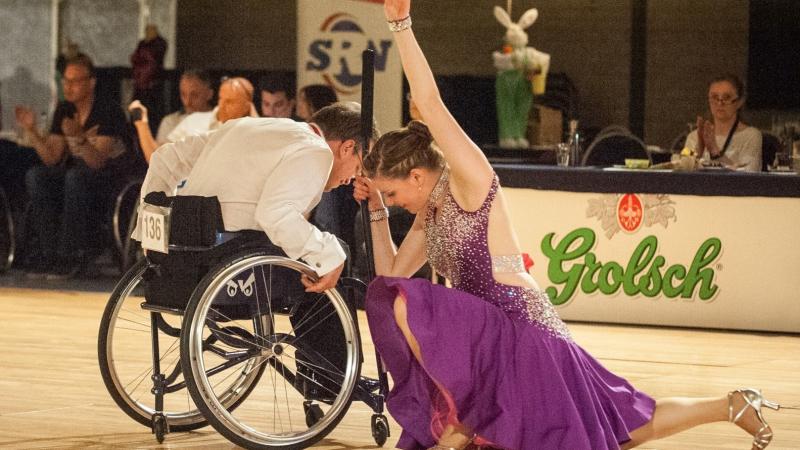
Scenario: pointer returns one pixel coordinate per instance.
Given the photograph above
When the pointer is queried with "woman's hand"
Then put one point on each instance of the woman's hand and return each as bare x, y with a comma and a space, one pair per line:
364, 189
397, 9
701, 141
709, 138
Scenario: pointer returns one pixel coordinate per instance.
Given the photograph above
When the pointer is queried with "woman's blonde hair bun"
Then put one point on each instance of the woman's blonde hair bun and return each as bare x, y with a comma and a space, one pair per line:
420, 129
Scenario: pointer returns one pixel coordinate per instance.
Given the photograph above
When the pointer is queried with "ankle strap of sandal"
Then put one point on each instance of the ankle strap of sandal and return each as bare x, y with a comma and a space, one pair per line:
442, 447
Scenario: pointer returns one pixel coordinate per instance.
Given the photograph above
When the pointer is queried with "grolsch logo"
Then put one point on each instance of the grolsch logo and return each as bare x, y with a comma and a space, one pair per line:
573, 265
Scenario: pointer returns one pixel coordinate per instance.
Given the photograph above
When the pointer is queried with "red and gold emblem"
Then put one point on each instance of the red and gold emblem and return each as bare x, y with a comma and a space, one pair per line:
629, 212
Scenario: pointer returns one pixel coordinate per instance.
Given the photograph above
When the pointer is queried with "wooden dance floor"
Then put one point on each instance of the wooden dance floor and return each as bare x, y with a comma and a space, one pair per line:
52, 395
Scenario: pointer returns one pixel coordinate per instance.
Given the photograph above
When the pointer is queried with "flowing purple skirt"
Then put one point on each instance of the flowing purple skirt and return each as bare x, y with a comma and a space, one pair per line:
516, 385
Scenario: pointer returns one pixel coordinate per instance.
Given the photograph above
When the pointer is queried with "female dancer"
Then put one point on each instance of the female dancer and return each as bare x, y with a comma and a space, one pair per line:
488, 362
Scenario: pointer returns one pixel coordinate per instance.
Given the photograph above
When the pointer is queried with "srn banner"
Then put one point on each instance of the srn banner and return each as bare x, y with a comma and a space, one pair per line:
332, 34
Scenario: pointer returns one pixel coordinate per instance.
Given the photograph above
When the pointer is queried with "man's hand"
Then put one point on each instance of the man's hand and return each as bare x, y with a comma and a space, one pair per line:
70, 126
92, 136
364, 189
26, 119
324, 282
136, 104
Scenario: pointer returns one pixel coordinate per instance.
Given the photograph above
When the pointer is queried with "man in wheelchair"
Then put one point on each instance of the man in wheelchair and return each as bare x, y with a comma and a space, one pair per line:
268, 174
259, 178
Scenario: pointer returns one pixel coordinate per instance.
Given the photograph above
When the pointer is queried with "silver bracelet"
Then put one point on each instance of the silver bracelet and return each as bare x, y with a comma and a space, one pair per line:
400, 25
378, 215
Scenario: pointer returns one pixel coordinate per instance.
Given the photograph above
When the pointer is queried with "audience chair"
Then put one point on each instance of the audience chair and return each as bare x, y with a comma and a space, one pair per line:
678, 142
613, 129
770, 146
614, 148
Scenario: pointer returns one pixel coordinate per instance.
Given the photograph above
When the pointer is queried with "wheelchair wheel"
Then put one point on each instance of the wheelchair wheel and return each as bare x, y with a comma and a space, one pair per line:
123, 221
125, 356
126, 361
7, 237
309, 344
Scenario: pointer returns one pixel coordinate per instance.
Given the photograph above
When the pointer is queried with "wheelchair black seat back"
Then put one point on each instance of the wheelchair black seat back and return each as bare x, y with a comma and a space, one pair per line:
171, 278
265, 363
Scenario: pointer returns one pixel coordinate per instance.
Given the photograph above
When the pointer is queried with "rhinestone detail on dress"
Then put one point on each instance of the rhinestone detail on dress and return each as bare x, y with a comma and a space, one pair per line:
508, 264
456, 243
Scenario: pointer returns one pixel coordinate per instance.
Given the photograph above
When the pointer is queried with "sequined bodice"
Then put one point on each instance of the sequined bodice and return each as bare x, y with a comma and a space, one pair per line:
457, 246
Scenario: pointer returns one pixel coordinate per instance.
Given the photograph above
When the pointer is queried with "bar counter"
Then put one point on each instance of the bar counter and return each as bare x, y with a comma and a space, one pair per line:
714, 249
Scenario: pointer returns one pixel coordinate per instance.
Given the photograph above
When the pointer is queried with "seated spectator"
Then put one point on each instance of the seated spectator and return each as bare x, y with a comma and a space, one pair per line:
67, 191
235, 101
312, 98
726, 139
196, 95
276, 96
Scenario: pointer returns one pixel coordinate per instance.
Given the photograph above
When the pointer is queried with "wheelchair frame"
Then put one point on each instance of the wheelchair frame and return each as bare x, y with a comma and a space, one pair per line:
259, 349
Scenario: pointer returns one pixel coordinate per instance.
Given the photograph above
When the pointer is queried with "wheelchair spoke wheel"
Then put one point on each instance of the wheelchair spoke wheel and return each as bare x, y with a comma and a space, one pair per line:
7, 243
254, 313
126, 359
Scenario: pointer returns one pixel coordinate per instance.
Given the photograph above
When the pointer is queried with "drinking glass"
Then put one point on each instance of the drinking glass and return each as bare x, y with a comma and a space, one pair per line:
562, 154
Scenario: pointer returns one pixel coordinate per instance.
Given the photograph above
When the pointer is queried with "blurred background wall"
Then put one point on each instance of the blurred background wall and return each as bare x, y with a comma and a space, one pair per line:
639, 63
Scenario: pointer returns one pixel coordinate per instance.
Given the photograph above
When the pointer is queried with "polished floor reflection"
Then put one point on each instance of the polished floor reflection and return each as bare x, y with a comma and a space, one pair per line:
53, 396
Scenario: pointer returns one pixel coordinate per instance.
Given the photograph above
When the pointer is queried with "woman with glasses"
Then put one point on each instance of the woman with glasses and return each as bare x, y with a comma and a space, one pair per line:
725, 139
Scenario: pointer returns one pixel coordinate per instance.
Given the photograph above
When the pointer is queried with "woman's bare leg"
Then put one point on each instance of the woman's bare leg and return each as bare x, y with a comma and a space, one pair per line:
455, 436
673, 415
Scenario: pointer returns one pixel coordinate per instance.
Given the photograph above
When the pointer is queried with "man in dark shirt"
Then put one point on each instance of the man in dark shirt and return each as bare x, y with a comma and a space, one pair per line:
276, 97
67, 191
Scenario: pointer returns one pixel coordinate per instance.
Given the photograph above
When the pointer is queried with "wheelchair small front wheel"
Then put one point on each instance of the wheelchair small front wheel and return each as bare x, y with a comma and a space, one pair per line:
380, 429
252, 313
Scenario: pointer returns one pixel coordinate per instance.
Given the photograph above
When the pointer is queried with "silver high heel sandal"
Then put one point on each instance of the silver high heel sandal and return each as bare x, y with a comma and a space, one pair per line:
753, 399
466, 446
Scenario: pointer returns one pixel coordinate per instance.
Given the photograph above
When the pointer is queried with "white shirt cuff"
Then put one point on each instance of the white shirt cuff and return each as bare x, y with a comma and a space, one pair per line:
331, 255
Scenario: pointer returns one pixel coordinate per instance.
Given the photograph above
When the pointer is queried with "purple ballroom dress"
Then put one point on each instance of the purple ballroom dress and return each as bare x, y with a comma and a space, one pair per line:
496, 358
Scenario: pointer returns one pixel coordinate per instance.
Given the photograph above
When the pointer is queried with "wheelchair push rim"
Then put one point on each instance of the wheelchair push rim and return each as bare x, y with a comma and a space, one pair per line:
281, 415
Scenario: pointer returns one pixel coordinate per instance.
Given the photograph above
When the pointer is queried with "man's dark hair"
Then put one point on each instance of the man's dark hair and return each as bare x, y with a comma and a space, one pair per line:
83, 61
201, 75
342, 121
319, 96
277, 83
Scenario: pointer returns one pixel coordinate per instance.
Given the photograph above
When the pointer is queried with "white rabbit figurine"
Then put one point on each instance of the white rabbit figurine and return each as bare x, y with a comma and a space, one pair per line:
517, 65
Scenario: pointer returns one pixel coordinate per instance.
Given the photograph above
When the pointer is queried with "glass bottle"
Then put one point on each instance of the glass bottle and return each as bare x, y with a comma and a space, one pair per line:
574, 142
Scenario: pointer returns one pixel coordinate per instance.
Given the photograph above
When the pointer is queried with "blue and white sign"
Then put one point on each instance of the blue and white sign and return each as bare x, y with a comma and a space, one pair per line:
331, 36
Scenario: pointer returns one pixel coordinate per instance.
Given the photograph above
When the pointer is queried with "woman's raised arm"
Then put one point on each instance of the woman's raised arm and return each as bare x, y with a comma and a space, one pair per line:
471, 172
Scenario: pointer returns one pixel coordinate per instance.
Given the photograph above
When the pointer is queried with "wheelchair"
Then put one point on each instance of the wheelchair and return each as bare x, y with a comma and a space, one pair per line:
225, 334
123, 220
8, 244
